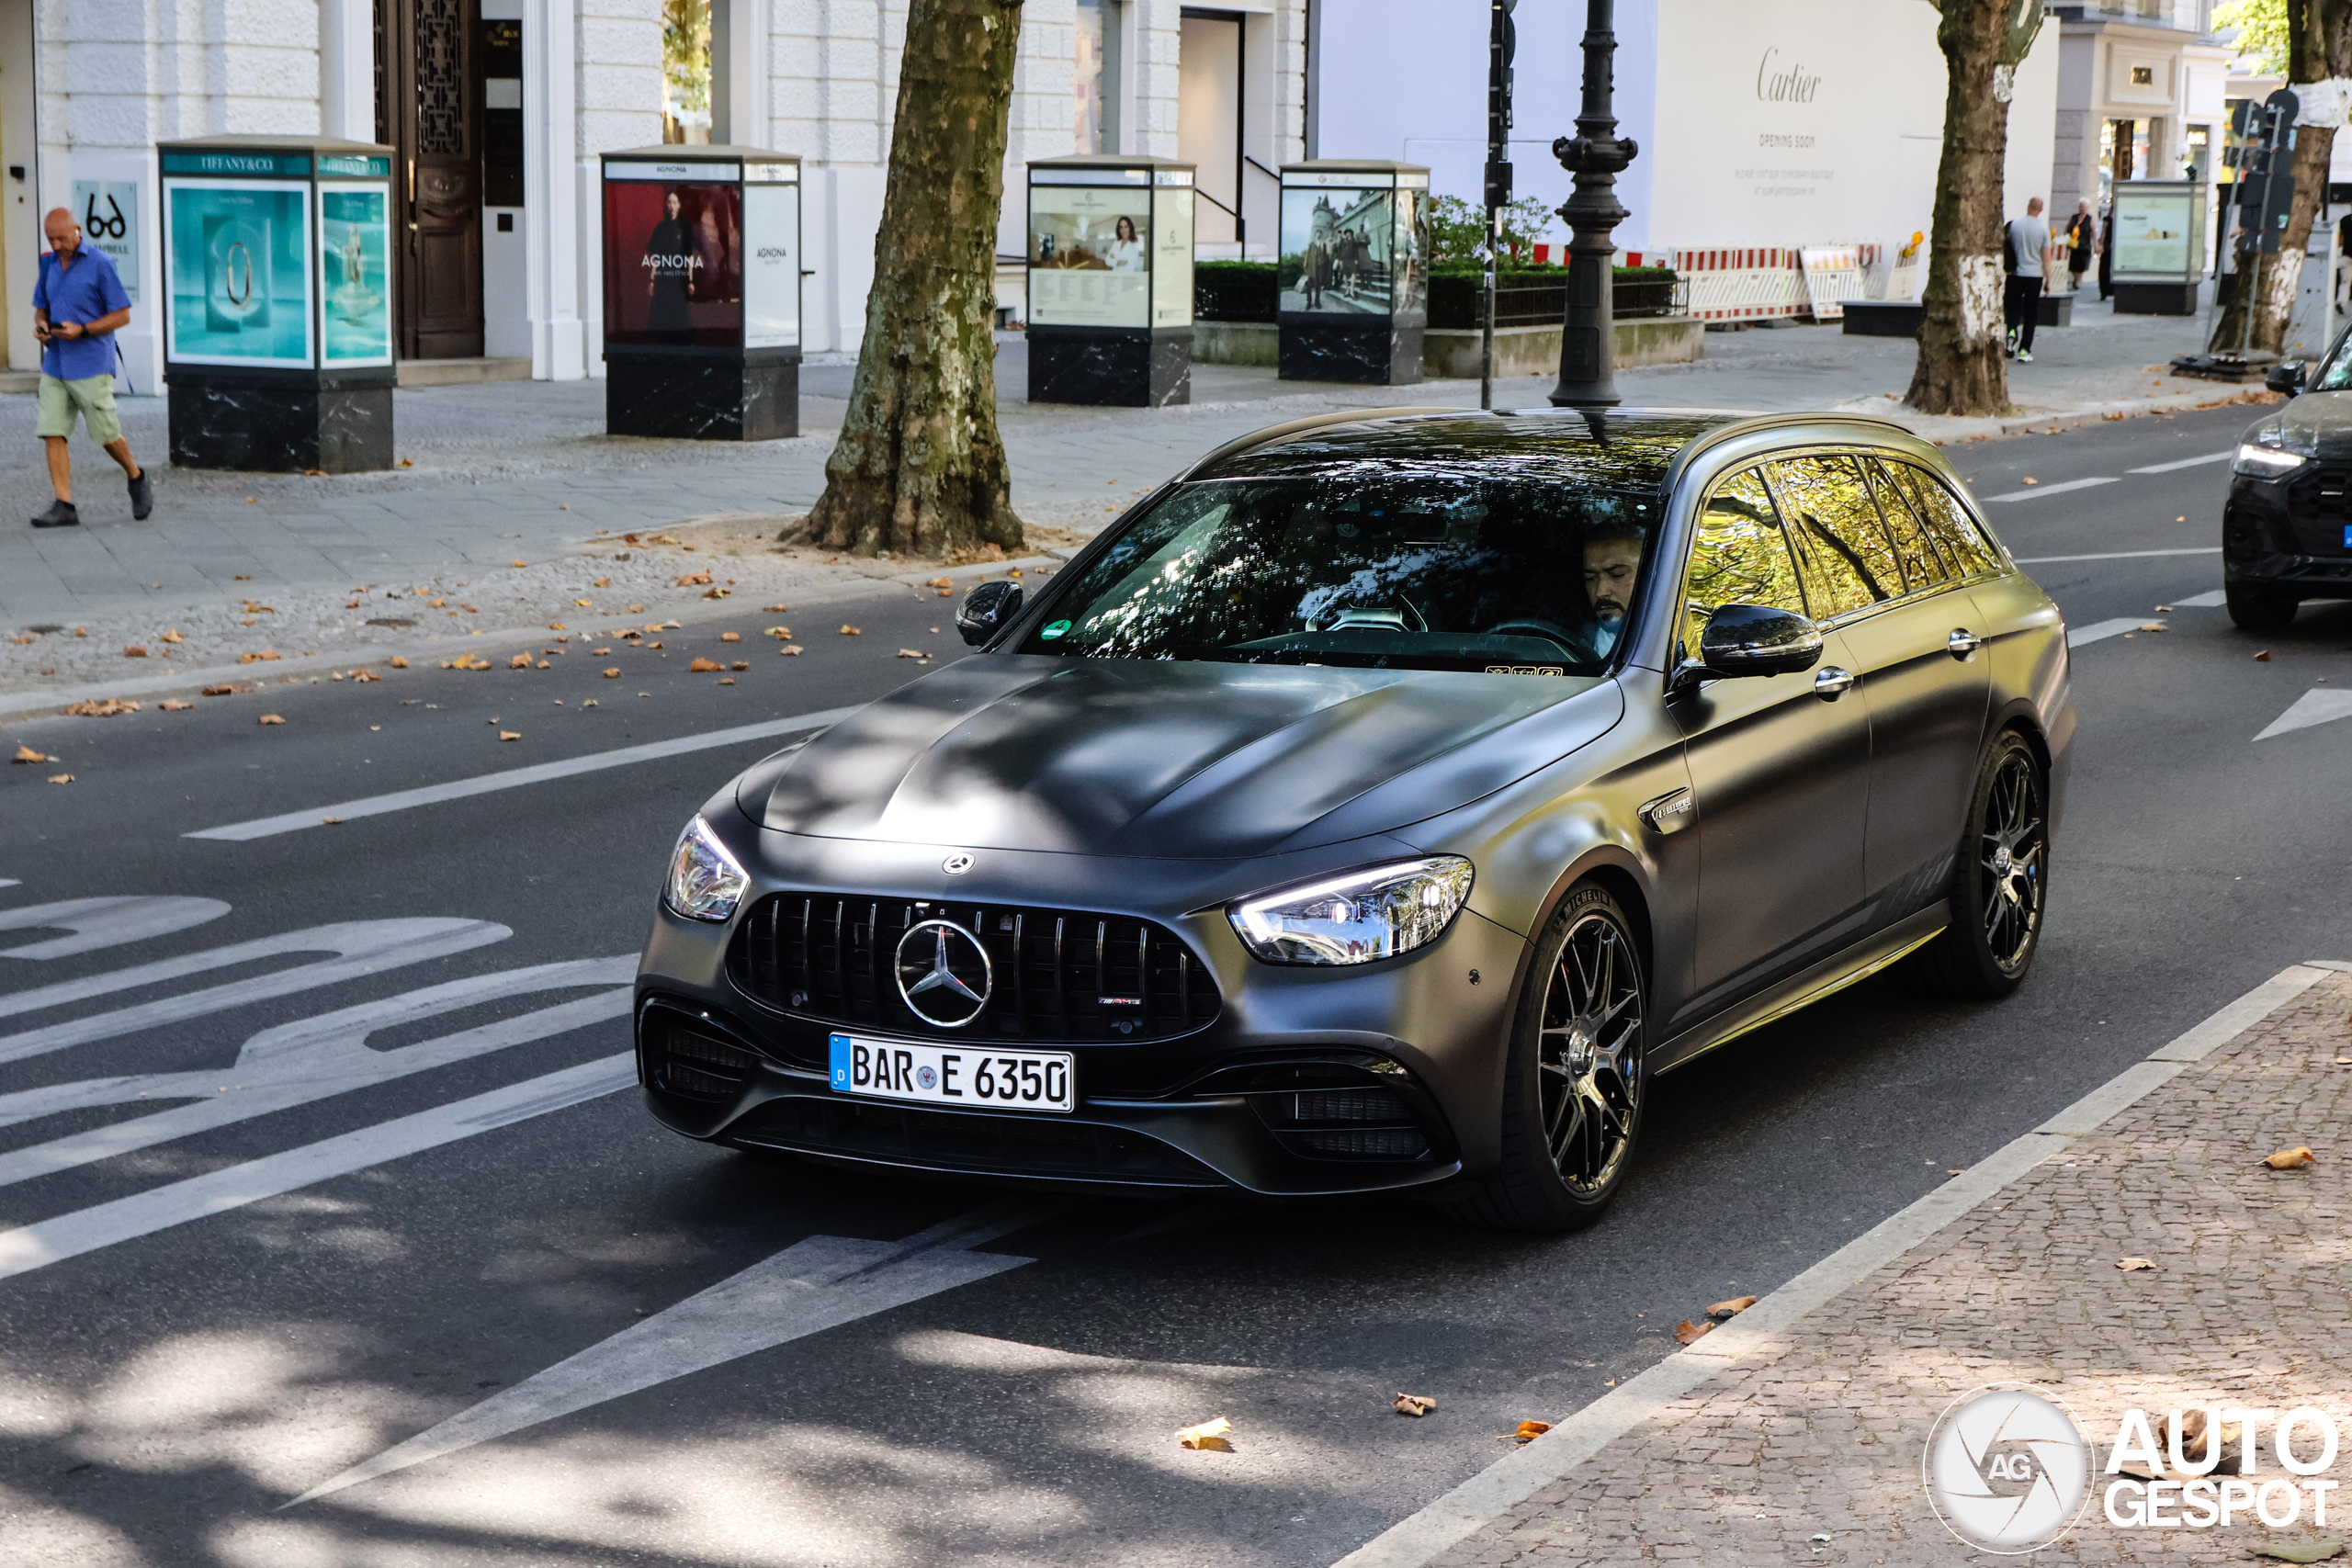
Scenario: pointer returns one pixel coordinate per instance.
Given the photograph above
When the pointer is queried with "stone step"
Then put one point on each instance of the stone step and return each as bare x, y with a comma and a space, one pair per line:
461, 372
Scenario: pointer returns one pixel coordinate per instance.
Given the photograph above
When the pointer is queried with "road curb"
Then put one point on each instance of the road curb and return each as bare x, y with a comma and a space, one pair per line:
1423, 1537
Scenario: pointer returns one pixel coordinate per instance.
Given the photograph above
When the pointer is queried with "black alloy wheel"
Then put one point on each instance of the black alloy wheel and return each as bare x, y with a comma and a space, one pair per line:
2259, 609
2002, 884
1576, 1079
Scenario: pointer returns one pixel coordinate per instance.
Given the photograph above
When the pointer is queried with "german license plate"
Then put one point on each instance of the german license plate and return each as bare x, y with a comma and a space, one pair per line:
941, 1075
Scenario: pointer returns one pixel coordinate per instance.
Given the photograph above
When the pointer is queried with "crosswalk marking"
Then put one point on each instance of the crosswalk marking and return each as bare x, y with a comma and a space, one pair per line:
312, 1059
360, 947
33, 1246
104, 922
810, 1286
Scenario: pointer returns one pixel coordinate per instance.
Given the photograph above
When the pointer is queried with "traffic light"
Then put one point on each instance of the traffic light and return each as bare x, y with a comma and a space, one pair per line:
1502, 43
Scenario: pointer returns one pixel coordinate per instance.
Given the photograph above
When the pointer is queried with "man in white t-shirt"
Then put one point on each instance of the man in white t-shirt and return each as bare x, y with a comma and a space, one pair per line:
2030, 263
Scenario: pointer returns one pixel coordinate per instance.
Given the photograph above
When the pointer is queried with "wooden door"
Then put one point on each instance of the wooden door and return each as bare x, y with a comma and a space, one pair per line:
430, 109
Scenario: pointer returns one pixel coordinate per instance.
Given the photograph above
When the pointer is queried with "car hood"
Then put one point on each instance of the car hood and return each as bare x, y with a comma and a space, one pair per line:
1169, 760
2318, 424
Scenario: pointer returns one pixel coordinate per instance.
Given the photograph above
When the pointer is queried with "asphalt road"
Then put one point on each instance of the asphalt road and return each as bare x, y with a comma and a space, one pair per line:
189, 1361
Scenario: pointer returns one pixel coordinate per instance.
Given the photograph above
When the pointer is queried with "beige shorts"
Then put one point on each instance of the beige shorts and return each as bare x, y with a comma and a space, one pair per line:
91, 397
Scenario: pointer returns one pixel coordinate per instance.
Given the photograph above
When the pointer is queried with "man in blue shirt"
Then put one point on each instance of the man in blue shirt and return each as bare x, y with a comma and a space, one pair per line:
78, 306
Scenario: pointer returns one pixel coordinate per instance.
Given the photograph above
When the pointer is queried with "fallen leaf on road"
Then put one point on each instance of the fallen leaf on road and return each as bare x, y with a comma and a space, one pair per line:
271, 718
107, 709
2318, 1550
947, 593
398, 662
726, 680
782, 634
437, 603
61, 778
2153, 627
26, 754
694, 580
703, 666
731, 637
612, 674
1530, 1430
793, 648
520, 662
1955, 1170
852, 631
267, 656
520, 563
2029, 482
2164, 609
173, 704
134, 651
1730, 1308
912, 653
1013, 571
1415, 1405
222, 690
332, 821
599, 652
584, 604
947, 583
351, 603
544, 664
717, 592
509, 735
172, 635
2263, 658
2134, 1264
743, 664
1690, 1333
775, 609
1208, 1434
2290, 1159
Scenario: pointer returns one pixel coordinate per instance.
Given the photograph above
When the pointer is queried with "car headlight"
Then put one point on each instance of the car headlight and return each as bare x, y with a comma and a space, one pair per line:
1378, 912
2265, 462
704, 882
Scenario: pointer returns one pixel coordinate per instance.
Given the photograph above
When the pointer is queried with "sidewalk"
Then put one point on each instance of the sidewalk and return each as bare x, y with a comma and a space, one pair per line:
1803, 1444
522, 471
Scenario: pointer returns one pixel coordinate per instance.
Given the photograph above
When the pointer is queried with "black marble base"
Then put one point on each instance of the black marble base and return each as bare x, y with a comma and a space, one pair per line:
2156, 299
281, 424
1371, 350
701, 398
1131, 368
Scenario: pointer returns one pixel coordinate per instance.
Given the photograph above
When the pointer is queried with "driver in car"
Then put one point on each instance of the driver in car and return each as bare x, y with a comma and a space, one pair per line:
1611, 561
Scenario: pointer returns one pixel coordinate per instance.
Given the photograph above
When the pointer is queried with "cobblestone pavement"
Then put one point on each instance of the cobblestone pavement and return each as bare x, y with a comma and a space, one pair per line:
1809, 1450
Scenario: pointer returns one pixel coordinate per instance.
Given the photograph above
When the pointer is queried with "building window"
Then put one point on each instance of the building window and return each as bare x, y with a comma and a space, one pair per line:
686, 71
1095, 105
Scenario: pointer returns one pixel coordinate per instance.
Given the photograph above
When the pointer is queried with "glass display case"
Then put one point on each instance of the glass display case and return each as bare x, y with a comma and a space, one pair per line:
702, 292
1110, 281
276, 318
1353, 273
2158, 256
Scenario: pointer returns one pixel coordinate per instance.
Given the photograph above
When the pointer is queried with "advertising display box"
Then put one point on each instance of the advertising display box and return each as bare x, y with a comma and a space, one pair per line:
1354, 297
1111, 281
278, 303
2159, 251
702, 293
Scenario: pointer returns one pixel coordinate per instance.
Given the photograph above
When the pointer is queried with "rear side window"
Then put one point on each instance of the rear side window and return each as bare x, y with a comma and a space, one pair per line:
1921, 568
1843, 553
1739, 556
1948, 523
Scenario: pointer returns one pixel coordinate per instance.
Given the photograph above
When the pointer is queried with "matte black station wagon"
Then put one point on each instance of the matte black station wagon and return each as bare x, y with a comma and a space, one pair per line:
1379, 805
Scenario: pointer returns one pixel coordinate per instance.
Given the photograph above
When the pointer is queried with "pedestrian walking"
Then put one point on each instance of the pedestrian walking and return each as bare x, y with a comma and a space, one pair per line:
78, 306
2082, 244
2031, 262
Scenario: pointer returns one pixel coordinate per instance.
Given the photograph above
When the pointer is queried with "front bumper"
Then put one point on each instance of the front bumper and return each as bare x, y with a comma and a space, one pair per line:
2291, 536
1409, 1051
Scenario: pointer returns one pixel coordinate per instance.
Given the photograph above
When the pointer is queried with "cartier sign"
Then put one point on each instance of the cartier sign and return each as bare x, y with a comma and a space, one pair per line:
1780, 84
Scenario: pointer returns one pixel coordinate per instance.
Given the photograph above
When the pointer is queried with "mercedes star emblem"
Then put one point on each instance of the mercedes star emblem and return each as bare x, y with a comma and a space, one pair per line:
957, 864
944, 973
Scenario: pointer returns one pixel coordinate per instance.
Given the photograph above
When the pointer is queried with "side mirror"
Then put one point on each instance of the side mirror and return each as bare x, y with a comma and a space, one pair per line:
1752, 639
2287, 376
987, 610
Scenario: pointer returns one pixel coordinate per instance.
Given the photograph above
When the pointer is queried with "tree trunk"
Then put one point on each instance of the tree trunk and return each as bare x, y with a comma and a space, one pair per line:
920, 468
2319, 46
1961, 368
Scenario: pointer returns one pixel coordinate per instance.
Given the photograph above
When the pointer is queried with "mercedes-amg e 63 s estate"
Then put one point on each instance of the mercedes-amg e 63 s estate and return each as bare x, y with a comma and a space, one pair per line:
1381, 805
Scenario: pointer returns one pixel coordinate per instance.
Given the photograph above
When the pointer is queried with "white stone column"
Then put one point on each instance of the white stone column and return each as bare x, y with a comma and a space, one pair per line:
616, 71
553, 216
347, 69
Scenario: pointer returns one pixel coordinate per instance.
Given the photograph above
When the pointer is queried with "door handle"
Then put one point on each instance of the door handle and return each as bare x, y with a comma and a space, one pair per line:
1830, 683
1962, 643
1669, 813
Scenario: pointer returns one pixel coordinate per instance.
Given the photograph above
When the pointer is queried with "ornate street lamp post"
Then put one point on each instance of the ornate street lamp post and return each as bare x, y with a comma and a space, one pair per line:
1595, 155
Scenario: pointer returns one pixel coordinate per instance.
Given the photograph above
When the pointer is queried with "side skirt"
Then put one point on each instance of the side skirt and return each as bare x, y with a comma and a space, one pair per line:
1832, 974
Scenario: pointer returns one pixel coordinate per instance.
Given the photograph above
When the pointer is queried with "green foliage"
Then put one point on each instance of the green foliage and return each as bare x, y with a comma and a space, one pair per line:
1458, 230
1233, 271
686, 54
2262, 33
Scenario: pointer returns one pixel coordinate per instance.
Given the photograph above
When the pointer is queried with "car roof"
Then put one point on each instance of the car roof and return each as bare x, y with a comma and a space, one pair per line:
1621, 450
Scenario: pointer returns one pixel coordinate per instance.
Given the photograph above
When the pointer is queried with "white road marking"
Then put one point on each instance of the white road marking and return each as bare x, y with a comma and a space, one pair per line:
32, 1246
515, 778
2099, 631
105, 922
2321, 704
362, 947
2120, 555
2040, 490
1514, 1478
9, 882
2185, 463
810, 1286
2212, 599
311, 1059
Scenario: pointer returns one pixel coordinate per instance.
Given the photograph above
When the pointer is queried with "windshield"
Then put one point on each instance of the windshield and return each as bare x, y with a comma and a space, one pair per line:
1445, 572
2335, 372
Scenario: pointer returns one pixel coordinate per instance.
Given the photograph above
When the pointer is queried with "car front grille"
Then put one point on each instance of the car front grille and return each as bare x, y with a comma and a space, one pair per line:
2318, 509
1057, 973
690, 1062
1008, 1146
